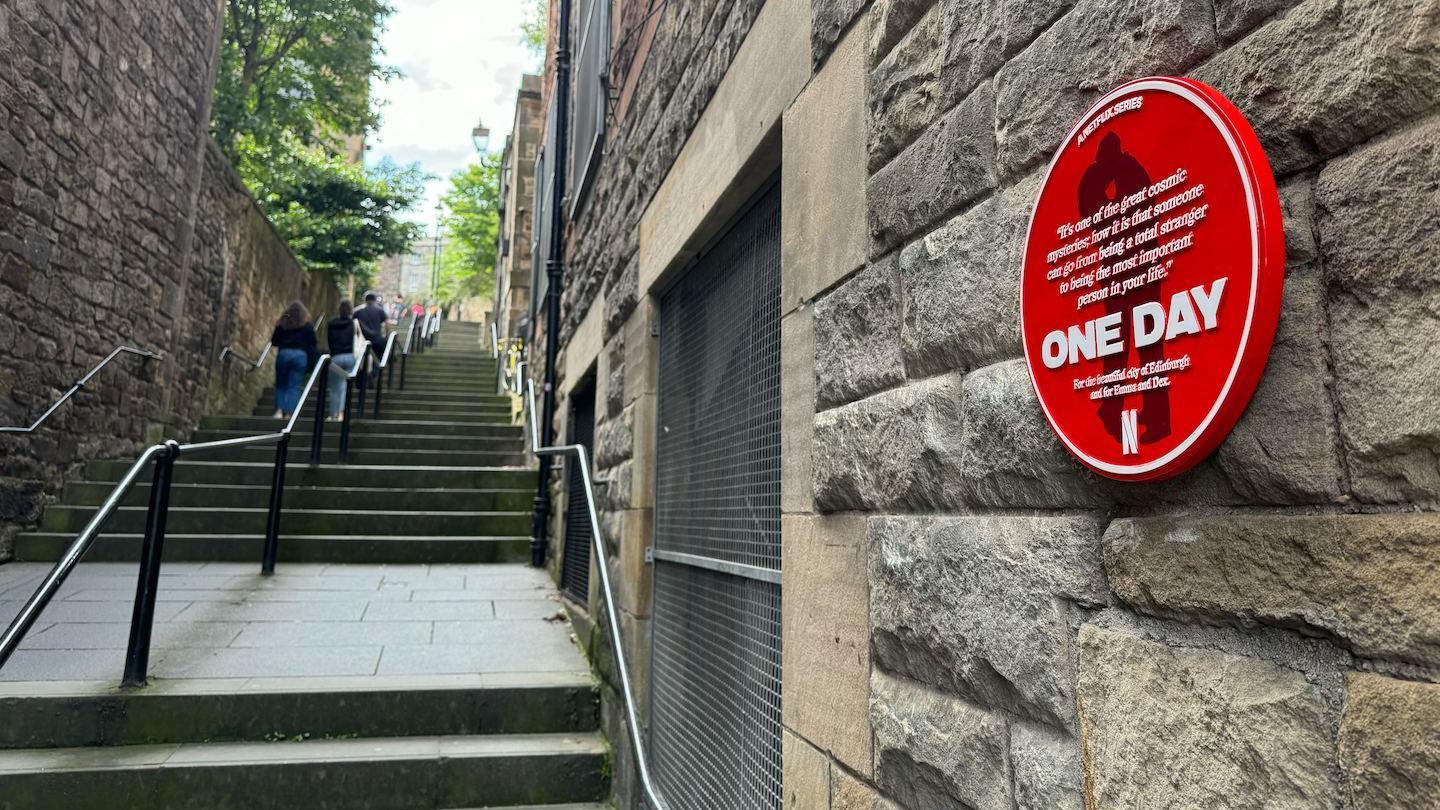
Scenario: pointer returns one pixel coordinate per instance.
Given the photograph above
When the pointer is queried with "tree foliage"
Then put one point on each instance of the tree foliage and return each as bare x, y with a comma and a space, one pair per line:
535, 27
471, 219
337, 216
302, 67
293, 86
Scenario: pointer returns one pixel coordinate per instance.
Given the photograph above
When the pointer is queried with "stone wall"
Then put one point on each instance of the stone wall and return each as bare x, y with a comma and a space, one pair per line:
970, 618
119, 223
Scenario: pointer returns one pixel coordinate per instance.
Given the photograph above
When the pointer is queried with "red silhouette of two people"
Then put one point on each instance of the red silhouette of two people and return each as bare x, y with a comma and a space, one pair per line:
1114, 175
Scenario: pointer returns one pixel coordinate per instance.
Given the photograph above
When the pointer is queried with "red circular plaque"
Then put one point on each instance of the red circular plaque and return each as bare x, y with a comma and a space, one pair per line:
1151, 282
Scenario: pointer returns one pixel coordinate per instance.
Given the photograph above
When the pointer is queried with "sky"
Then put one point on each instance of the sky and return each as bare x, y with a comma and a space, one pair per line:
462, 61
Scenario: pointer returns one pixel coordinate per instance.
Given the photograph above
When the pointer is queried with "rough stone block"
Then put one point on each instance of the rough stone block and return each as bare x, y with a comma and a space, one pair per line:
828, 20
978, 605
807, 774
960, 286
895, 450
797, 412
822, 194
615, 439
1174, 727
857, 336
949, 165
892, 19
1368, 581
826, 635
1379, 225
1285, 449
1047, 769
933, 750
955, 46
1330, 74
1390, 743
1096, 46
1235, 18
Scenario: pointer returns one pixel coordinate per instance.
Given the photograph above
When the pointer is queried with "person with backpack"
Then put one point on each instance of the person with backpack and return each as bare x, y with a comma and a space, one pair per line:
347, 343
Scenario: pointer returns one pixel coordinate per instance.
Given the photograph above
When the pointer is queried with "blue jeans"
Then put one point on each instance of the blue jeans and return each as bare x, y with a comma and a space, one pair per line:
340, 365
289, 376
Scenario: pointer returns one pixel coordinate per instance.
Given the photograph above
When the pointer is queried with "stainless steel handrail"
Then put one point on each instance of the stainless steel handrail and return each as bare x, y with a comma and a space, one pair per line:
494, 341
252, 364
164, 456
119, 350
622, 668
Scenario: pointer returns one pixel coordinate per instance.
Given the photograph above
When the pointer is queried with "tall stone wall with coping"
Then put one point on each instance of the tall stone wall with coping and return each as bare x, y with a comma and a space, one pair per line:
120, 222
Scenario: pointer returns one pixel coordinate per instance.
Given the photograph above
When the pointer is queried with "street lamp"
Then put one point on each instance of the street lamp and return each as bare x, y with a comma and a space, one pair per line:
480, 137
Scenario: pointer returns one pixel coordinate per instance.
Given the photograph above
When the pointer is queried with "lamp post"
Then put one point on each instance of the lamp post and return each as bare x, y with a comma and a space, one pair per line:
435, 253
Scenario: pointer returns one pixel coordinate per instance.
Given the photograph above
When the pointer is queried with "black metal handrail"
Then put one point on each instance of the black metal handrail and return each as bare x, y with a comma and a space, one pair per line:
358, 372
164, 456
79, 384
581, 457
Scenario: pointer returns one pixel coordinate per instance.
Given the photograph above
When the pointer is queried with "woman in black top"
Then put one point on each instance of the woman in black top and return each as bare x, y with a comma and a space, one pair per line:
294, 340
340, 336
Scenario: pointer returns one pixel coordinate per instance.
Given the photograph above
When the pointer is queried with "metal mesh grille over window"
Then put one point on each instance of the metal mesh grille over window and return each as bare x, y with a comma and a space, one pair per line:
716, 673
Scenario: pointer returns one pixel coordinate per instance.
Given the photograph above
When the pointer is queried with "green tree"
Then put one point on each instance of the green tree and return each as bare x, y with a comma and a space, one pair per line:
471, 221
337, 216
535, 27
302, 67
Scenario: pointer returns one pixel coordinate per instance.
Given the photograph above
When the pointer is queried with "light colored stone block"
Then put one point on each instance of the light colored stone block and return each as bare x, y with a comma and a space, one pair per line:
849, 793
1390, 743
807, 774
826, 635
797, 412
1367, 580
584, 347
632, 575
642, 349
769, 70
1175, 727
822, 196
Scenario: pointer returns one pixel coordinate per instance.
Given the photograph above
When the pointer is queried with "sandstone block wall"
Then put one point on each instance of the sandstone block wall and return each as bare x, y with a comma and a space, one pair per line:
972, 619
119, 223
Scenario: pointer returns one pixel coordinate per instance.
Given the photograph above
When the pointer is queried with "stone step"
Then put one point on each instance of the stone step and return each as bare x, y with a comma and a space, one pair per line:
362, 440
388, 412
412, 395
369, 454
120, 547
251, 425
208, 519
356, 499
60, 714
379, 773
332, 475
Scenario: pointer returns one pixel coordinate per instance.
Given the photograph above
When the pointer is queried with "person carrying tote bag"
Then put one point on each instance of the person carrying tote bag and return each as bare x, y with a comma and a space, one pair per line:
347, 344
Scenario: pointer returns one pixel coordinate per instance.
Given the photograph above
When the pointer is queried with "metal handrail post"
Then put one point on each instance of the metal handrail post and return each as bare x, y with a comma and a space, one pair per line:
137, 651
345, 420
317, 433
379, 389
277, 495
361, 376
622, 667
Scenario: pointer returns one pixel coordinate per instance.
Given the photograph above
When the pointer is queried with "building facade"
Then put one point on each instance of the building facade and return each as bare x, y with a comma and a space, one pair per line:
513, 267
855, 566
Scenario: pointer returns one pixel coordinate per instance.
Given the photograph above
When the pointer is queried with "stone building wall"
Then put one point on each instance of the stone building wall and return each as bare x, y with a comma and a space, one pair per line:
119, 223
970, 618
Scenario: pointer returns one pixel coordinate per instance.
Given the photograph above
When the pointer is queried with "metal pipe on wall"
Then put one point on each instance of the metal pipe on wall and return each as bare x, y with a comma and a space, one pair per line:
555, 273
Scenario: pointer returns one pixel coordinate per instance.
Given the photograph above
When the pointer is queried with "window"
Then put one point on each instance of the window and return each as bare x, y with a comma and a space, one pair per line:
590, 97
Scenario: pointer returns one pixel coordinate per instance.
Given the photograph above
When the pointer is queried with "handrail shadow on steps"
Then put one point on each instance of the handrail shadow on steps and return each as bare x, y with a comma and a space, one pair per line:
164, 456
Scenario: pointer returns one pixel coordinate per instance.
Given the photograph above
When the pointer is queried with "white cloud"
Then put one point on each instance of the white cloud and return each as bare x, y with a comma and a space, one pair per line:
463, 60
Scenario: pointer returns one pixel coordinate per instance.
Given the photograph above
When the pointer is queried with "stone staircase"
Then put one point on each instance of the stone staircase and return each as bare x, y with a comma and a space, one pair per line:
401, 657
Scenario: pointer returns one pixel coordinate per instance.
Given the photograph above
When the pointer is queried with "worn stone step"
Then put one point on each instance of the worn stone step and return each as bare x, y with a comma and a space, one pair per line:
369, 454
332, 475
294, 521
374, 773
72, 715
412, 394
411, 413
358, 499
383, 441
120, 547
251, 425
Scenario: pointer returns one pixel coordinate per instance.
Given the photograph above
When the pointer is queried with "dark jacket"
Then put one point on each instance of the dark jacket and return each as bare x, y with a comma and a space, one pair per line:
372, 323
302, 338
340, 335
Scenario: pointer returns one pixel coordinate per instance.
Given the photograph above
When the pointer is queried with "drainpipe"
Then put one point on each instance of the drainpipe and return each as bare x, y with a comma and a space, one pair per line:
555, 273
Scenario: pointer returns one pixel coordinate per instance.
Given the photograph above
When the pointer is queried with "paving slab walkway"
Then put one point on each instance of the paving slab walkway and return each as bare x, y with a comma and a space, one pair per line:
226, 621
